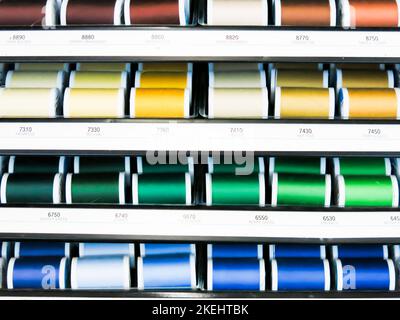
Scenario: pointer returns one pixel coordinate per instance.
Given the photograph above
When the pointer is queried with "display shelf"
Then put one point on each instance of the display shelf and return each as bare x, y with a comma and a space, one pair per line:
122, 136
200, 43
197, 223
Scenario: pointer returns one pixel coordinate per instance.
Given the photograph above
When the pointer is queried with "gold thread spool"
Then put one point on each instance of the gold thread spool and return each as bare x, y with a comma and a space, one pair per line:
35, 79
97, 80
235, 66
360, 66
304, 103
165, 67
347, 78
297, 78
295, 66
156, 80
104, 67
237, 79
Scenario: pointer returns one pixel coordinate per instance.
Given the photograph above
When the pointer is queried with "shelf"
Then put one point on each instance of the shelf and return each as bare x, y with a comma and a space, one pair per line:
119, 136
199, 43
197, 224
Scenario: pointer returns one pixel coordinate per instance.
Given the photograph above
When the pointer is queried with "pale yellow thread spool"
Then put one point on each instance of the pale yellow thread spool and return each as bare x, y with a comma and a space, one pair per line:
35, 79
51, 66
235, 66
237, 79
97, 80
106, 66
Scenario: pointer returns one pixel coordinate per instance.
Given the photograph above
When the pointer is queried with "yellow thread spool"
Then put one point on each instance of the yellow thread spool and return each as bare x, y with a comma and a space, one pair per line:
97, 80
295, 65
237, 79
361, 66
364, 79
155, 80
26, 66
297, 78
233, 66
35, 79
165, 67
106, 66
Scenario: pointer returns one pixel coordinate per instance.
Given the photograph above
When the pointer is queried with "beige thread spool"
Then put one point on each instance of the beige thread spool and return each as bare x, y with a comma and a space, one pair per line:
27, 66
35, 79
104, 67
234, 66
237, 79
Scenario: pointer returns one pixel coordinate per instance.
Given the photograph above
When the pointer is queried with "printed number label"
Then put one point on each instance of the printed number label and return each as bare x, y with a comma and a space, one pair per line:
236, 130
121, 216
305, 131
189, 217
232, 37
94, 130
372, 38
302, 37
328, 218
87, 37
158, 37
261, 217
54, 215
374, 132
163, 130
18, 37
394, 218
24, 131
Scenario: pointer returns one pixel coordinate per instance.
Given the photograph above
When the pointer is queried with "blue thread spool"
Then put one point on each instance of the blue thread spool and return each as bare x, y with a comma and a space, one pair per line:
360, 251
101, 272
38, 273
240, 250
236, 274
365, 274
42, 249
284, 251
153, 249
88, 249
396, 252
167, 272
300, 275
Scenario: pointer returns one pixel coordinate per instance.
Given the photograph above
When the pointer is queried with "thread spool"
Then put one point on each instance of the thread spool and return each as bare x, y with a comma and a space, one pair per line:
94, 103
5, 252
367, 191
100, 272
372, 13
165, 67
396, 253
3, 270
104, 12
28, 103
248, 167
159, 103
297, 165
237, 79
154, 12
35, 79
301, 190
162, 189
37, 164
237, 13
28, 13
31, 188
236, 274
144, 167
365, 274
93, 249
306, 66
229, 189
234, 66
167, 80
304, 103
42, 249
3, 164
162, 249
360, 251
103, 67
362, 166
299, 78
237, 250
361, 66
102, 165
98, 79
47, 66
47, 273
365, 79
305, 13
362, 103
240, 103
290, 251
167, 272
300, 275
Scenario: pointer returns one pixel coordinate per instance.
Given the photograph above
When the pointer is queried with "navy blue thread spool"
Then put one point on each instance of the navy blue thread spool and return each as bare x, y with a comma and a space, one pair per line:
239, 250
42, 249
279, 251
360, 251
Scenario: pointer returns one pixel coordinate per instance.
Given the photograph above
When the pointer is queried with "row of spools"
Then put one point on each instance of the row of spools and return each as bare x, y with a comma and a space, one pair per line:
183, 266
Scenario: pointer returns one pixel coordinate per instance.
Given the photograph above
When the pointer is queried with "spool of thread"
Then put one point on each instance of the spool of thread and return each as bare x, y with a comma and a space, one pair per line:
102, 12
367, 191
297, 165
94, 103
304, 103
35, 79
299, 78
28, 13
360, 66
161, 249
28, 103
297, 251
38, 273
237, 79
234, 66
103, 67
31, 188
296, 66
301, 190
5, 252
371, 13
166, 12
365, 274
319, 13
364, 79
240, 103
102, 164
144, 167
230, 189
236, 274
360, 251
165, 67
37, 164
369, 103
42, 249
237, 250
98, 79
47, 66
163, 188
156, 80
248, 167
362, 166
3, 164
3, 270
100, 272
396, 252
159, 103
167, 272
95, 188
396, 165
300, 275
237, 13
91, 249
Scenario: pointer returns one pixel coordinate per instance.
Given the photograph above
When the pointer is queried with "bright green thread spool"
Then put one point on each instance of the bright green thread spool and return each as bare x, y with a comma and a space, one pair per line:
108, 188
234, 168
31, 188
144, 167
102, 165
163, 188
367, 191
297, 165
362, 166
230, 189
37, 164
301, 190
